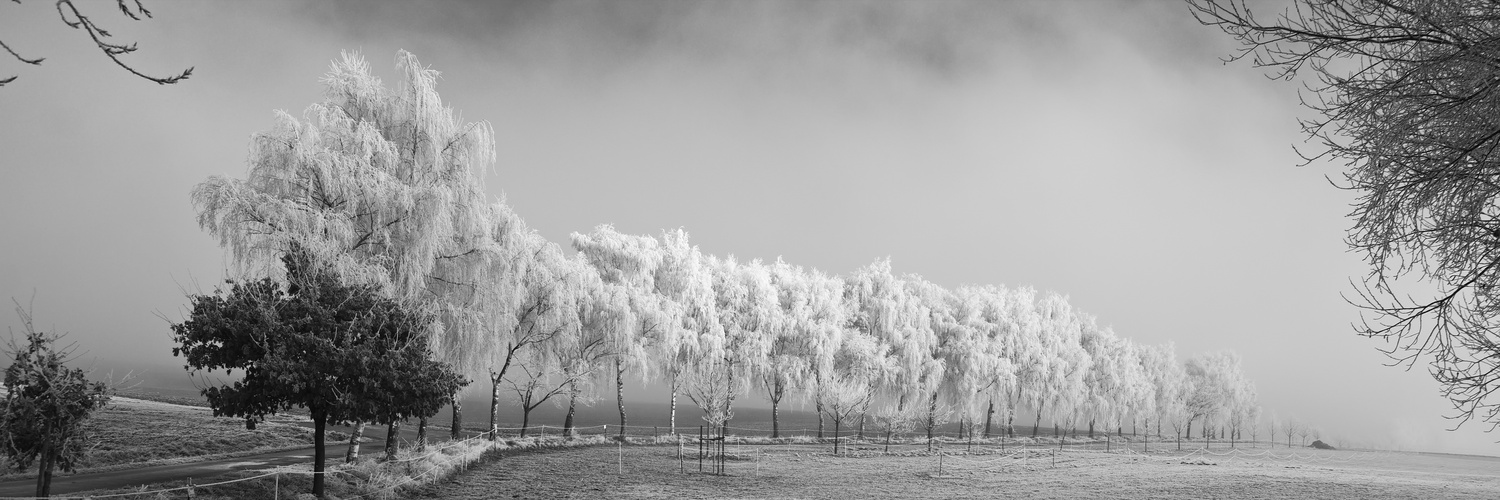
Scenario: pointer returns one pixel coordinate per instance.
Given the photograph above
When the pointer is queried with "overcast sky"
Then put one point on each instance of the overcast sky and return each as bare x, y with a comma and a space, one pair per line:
1100, 150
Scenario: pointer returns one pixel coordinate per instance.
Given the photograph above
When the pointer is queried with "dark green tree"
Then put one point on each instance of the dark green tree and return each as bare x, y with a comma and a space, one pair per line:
46, 404
344, 352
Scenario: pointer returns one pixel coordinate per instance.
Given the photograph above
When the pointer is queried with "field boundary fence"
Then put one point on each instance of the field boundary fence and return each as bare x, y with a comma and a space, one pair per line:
949, 453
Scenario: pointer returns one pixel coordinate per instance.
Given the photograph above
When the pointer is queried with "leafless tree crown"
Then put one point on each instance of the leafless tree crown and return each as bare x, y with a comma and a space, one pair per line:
1405, 96
75, 19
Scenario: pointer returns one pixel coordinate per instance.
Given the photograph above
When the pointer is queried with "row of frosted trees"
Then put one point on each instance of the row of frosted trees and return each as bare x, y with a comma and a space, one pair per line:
384, 186
874, 345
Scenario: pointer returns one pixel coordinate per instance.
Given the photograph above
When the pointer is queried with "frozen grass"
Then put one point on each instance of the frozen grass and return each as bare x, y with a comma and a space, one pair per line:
803, 470
372, 477
650, 467
131, 434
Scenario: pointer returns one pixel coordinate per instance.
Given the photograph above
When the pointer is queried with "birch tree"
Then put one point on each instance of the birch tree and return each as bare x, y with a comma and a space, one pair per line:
978, 369
380, 184
788, 358
684, 283
1102, 382
882, 307
847, 388
534, 306
1062, 383
630, 264
1025, 350
745, 301
602, 310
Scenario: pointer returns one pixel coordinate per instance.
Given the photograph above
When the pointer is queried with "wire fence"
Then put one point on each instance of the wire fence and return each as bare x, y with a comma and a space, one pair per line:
949, 452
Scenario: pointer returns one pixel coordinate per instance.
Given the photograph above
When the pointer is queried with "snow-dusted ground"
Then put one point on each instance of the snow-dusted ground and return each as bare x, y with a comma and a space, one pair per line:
809, 471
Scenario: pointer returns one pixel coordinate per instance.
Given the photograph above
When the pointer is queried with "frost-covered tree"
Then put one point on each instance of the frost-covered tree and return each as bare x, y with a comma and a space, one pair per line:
629, 264
1026, 352
532, 306
534, 382
986, 312
884, 307
933, 324
1139, 393
746, 303
787, 358
602, 310
1169, 383
1103, 382
977, 368
829, 326
1062, 384
379, 184
847, 388
685, 285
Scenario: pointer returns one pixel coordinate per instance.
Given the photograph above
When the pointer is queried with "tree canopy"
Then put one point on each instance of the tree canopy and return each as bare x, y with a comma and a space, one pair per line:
344, 352
1402, 95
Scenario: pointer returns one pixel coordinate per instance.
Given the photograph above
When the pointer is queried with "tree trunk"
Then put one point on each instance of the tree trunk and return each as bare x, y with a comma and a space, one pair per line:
320, 424
354, 436
775, 419
989, 415
572, 403
44, 465
729, 399
836, 436
673, 420
1091, 429
392, 439
455, 429
495, 406
1148, 434
422, 434
1038, 425
931, 418
819, 405
525, 420
620, 393
1189, 428
1010, 423
861, 425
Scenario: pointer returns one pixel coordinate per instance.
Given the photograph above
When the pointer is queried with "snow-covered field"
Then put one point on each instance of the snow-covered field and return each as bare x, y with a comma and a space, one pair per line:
810, 471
